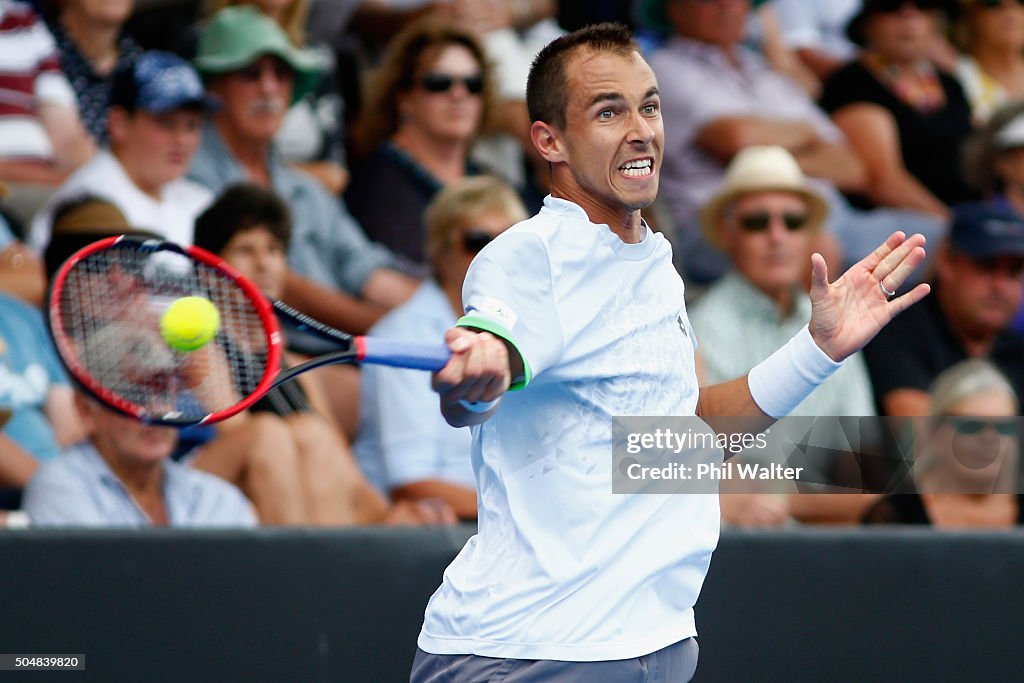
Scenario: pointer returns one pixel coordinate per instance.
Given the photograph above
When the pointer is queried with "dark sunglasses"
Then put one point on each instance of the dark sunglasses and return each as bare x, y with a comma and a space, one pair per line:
476, 240
993, 4
758, 221
443, 83
972, 426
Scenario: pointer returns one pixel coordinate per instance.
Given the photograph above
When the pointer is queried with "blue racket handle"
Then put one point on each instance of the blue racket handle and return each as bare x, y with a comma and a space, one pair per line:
400, 354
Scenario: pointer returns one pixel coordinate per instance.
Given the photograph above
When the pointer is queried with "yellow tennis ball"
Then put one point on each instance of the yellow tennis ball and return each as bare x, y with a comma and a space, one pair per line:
189, 323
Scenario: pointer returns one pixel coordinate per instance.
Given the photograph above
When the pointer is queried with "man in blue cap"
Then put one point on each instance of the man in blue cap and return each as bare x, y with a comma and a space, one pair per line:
154, 125
979, 274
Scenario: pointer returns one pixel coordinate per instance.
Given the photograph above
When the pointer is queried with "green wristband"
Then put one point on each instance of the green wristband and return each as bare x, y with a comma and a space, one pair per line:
485, 325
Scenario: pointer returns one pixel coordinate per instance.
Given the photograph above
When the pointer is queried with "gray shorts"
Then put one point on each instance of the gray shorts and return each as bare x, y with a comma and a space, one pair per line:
673, 664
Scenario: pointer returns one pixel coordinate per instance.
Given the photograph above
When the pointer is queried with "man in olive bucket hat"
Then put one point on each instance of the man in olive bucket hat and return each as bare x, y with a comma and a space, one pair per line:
250, 65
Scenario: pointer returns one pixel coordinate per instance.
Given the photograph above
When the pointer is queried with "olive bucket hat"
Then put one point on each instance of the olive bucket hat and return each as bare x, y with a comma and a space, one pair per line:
238, 36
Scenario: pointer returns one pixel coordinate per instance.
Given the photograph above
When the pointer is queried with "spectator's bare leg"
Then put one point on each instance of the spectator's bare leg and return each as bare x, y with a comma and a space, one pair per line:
259, 457
340, 384
322, 470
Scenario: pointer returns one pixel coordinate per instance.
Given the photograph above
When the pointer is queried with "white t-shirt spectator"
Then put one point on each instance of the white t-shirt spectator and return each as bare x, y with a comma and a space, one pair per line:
103, 176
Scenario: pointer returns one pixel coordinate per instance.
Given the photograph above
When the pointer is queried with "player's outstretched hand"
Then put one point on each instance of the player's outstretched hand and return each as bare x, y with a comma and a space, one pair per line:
477, 373
848, 313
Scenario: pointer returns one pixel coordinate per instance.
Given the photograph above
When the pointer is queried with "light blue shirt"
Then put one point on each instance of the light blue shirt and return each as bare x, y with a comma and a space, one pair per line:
327, 245
79, 489
402, 436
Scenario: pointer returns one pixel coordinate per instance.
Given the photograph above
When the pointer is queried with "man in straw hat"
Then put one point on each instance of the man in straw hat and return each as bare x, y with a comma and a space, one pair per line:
257, 73
576, 316
763, 218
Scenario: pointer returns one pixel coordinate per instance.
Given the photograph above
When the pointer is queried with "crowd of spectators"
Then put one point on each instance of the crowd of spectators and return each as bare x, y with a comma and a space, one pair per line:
352, 156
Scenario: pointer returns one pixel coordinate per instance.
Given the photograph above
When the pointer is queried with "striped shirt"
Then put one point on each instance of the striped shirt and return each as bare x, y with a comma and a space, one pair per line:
30, 75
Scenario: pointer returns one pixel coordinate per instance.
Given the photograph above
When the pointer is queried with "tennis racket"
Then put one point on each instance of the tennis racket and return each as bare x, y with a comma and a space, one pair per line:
105, 307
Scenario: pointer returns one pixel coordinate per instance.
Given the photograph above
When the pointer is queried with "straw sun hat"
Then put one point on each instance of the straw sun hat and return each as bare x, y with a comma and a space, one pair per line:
761, 169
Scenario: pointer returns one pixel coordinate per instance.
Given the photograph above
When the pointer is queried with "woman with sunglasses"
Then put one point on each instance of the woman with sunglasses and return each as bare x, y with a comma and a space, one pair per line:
965, 470
404, 444
991, 70
905, 118
426, 104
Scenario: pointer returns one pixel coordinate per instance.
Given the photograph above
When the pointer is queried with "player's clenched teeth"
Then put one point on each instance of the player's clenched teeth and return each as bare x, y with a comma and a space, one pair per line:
637, 167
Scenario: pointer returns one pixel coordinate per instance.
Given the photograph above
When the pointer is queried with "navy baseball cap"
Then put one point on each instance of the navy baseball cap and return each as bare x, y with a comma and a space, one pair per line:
159, 82
984, 231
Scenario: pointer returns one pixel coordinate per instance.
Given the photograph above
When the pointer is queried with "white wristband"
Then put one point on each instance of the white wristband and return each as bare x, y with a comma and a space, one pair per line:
780, 382
478, 406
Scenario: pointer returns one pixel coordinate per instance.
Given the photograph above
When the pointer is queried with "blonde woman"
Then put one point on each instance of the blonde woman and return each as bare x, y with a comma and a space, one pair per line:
404, 444
965, 468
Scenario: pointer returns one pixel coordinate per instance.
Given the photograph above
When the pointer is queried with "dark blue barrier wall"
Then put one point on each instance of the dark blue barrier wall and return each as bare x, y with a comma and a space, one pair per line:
802, 605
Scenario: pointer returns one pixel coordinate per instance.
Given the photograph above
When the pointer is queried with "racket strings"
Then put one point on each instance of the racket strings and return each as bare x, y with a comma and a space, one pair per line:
110, 310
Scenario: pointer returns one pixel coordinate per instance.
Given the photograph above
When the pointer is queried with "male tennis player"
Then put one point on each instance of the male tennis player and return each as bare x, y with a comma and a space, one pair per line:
581, 308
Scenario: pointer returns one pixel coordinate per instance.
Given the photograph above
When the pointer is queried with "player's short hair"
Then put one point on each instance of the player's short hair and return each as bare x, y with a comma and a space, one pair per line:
547, 84
242, 207
462, 202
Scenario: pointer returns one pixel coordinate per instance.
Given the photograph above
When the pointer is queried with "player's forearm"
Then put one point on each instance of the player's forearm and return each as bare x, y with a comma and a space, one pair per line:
773, 387
720, 404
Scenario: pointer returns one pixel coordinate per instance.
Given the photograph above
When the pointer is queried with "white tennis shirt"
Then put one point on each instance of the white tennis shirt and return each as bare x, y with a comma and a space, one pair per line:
561, 568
